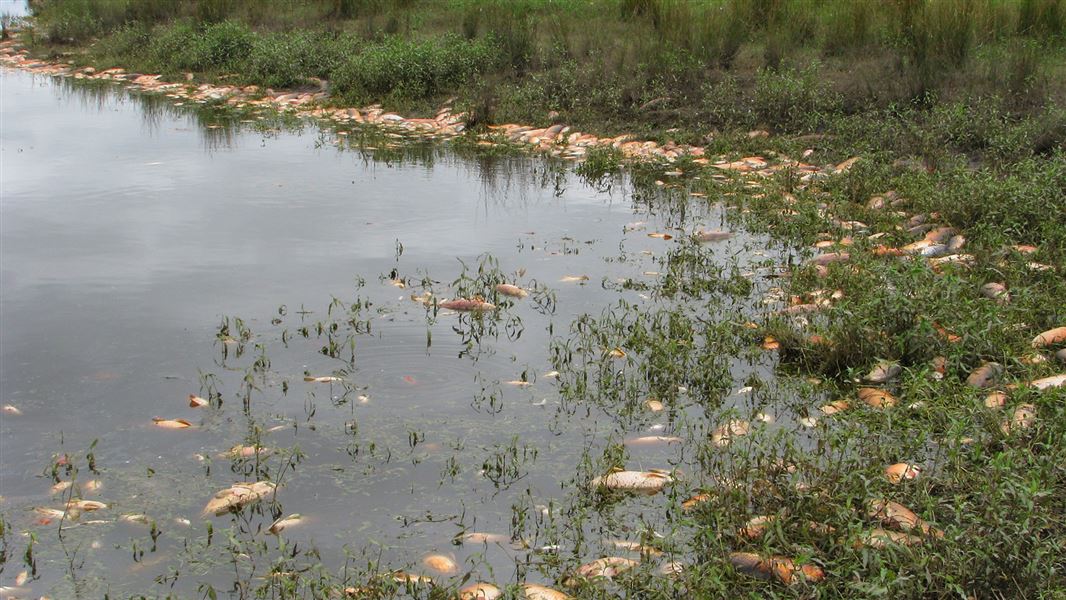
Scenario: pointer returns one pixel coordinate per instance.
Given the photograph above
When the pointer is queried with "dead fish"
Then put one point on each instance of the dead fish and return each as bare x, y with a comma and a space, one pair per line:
996, 400
653, 405
518, 383
247, 451
404, 578
770, 343
895, 515
830, 257
574, 278
883, 538
1050, 337
634, 547
900, 472
477, 537
607, 568
956, 243
139, 519
671, 569
85, 505
22, 578
532, 591
12, 410
475, 304
237, 497
712, 236
511, 290
723, 435
996, 291
877, 398
985, 375
323, 379
775, 567
479, 591
51, 513
1023, 417
695, 501
661, 236
940, 235
1046, 383
925, 248
756, 526
440, 563
171, 423
834, 407
197, 402
616, 353
284, 523
883, 372
653, 440
638, 482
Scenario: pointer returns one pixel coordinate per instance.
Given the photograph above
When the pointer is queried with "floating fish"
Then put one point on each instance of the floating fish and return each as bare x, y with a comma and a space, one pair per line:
237, 497
755, 527
85, 505
477, 537
639, 482
605, 568
511, 290
475, 304
323, 379
479, 591
12, 410
284, 523
712, 236
171, 423
440, 563
653, 440
770, 343
661, 236
197, 402
574, 278
723, 435
532, 591
830, 257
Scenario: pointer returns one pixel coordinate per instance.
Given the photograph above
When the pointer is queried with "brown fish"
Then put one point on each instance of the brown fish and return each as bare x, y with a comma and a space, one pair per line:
476, 304
511, 290
877, 398
985, 376
897, 516
1050, 337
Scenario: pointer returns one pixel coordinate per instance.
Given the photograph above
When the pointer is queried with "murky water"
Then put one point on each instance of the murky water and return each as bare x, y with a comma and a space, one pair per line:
139, 242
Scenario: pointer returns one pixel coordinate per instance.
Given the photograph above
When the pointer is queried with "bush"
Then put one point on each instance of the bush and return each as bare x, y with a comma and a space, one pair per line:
413, 70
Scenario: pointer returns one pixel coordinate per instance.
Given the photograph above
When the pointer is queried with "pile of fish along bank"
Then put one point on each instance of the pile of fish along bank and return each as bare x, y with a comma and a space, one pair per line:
556, 140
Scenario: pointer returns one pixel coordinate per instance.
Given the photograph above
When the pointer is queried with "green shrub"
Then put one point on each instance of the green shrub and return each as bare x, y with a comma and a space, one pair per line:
413, 70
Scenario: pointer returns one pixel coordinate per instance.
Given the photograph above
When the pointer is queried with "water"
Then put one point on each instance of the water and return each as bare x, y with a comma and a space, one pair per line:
132, 230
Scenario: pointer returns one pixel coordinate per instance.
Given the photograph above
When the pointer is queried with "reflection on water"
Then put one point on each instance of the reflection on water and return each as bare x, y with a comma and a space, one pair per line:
153, 251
